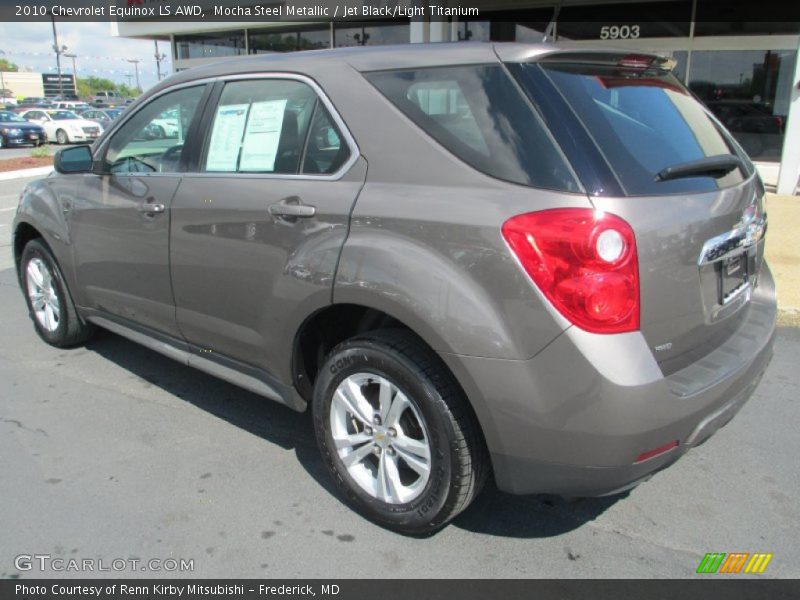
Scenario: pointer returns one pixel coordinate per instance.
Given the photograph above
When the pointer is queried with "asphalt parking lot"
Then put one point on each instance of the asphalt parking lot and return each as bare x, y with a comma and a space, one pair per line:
112, 451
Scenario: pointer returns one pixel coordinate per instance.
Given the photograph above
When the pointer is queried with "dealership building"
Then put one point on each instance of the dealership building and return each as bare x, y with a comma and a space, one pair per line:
746, 69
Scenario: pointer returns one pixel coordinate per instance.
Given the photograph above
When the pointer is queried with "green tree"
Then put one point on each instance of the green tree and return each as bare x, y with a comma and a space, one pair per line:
89, 86
8, 66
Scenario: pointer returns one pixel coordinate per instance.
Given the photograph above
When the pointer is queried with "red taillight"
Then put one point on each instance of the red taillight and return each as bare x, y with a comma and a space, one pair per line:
636, 61
584, 261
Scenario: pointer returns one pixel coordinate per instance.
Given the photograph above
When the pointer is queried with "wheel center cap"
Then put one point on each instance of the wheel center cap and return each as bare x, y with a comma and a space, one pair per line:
380, 435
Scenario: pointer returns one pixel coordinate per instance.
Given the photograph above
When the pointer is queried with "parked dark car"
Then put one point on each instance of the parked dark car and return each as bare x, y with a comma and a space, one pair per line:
463, 258
16, 131
35, 102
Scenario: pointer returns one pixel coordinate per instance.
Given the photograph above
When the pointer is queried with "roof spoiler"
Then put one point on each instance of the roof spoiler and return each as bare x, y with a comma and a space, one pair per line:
623, 59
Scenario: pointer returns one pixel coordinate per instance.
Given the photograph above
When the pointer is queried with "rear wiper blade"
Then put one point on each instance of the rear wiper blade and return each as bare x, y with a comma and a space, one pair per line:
715, 166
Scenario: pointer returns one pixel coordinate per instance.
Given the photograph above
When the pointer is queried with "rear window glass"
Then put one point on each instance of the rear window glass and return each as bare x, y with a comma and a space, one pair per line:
643, 122
479, 114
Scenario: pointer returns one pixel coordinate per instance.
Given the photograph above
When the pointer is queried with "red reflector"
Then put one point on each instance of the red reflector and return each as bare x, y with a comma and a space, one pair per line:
656, 452
636, 61
584, 261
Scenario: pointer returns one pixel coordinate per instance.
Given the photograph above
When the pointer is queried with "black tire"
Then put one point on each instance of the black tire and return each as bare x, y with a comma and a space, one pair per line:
459, 461
62, 137
2, 142
71, 329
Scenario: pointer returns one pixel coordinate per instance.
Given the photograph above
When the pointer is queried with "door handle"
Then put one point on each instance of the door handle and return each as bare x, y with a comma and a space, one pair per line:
149, 208
291, 208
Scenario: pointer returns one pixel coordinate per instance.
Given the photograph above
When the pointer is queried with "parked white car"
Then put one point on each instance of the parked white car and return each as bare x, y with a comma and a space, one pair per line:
72, 105
64, 126
165, 126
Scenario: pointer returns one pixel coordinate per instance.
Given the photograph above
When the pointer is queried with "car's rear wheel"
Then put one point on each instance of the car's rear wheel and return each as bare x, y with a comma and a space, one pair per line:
61, 137
49, 302
397, 433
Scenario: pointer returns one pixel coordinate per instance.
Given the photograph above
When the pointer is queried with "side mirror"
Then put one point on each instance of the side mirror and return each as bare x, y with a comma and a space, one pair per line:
77, 159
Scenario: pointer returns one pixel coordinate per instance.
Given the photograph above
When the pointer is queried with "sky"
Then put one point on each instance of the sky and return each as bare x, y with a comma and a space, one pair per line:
99, 54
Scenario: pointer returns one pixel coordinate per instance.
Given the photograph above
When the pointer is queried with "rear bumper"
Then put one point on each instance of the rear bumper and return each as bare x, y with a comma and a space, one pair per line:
574, 419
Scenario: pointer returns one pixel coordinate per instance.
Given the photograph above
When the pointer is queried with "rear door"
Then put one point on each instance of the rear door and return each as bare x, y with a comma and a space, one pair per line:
698, 234
257, 229
120, 219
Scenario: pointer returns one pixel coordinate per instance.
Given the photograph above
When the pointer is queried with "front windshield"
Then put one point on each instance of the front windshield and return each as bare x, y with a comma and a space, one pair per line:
9, 116
113, 114
62, 115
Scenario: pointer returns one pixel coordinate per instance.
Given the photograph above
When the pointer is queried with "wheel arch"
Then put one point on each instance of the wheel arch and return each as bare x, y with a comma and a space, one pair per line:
325, 328
24, 232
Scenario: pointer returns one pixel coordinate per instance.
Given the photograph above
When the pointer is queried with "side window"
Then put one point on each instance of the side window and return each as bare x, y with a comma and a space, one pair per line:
326, 151
478, 114
151, 141
443, 101
262, 126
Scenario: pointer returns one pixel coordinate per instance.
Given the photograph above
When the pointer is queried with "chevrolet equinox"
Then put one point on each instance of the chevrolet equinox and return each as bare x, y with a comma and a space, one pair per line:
540, 263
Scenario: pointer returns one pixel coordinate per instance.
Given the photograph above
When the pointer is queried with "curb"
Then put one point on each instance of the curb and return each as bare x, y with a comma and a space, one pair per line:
22, 173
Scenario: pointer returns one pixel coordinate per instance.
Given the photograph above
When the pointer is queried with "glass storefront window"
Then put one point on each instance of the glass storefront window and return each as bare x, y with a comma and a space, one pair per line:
679, 70
625, 21
267, 41
527, 26
473, 31
746, 17
372, 33
210, 45
749, 92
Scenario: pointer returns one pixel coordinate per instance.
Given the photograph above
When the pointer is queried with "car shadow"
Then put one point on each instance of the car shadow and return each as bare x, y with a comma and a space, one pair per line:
268, 420
536, 516
492, 513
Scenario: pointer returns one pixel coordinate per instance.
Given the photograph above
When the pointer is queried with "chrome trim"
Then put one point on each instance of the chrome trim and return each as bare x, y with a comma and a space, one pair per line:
189, 359
733, 242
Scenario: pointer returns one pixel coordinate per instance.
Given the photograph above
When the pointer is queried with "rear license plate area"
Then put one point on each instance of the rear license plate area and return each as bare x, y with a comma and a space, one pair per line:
732, 276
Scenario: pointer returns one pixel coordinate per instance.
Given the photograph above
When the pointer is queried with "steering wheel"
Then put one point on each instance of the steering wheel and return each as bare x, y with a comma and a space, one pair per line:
169, 156
131, 164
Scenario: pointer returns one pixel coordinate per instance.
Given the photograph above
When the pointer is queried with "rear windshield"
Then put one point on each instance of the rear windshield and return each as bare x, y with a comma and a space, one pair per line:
643, 121
479, 114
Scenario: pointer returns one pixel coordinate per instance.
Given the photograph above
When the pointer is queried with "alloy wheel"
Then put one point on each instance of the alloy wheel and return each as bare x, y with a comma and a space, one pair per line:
381, 438
43, 294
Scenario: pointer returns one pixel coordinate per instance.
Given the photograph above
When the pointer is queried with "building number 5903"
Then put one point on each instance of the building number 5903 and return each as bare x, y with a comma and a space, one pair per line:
619, 32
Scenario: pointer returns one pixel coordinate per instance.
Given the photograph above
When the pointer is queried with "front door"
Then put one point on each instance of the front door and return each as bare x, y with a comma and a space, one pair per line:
120, 218
257, 230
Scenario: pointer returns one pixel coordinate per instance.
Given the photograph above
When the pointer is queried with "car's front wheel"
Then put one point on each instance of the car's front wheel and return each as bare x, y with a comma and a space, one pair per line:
51, 308
61, 137
397, 433
2, 142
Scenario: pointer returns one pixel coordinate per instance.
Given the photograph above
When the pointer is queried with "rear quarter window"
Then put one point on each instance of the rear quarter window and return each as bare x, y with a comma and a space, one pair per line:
479, 115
